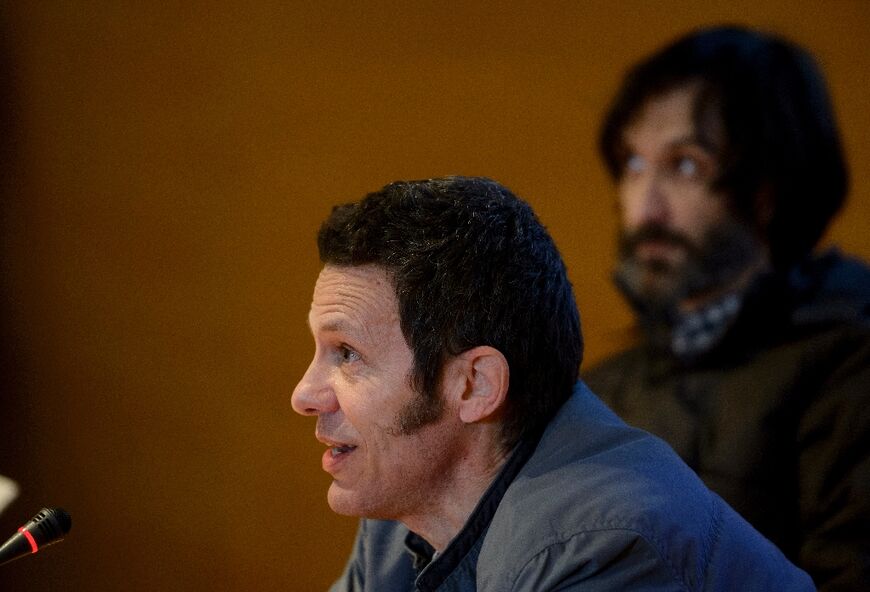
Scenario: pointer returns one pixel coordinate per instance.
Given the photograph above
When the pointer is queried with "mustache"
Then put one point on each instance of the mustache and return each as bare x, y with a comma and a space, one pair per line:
629, 241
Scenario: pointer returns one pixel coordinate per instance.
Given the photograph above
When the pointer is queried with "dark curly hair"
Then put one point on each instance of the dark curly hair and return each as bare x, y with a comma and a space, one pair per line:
471, 265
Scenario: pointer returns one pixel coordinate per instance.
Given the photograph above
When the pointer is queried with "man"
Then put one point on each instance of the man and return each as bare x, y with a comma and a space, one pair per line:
447, 347
755, 358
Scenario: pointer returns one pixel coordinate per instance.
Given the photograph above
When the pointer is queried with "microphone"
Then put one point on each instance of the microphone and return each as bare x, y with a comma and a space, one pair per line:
47, 527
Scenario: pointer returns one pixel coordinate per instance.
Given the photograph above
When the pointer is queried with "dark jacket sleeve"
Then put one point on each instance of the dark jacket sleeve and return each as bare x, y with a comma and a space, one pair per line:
834, 471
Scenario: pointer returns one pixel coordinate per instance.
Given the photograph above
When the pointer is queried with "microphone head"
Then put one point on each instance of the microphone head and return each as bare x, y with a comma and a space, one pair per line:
49, 525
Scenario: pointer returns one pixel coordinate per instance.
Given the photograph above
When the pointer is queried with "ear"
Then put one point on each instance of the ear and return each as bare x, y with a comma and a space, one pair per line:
485, 375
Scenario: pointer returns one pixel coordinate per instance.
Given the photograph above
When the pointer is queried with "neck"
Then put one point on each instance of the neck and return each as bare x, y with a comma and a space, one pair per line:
458, 493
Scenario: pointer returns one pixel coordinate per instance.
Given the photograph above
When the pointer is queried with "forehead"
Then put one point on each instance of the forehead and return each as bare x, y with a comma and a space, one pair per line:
671, 118
353, 297
667, 116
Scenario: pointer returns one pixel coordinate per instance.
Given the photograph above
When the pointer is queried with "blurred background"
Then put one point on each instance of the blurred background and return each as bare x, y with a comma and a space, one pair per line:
165, 167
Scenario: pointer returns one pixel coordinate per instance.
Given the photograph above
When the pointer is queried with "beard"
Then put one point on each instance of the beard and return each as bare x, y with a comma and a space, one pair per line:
656, 287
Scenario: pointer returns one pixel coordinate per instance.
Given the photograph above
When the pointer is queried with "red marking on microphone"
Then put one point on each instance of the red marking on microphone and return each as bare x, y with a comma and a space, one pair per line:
30, 539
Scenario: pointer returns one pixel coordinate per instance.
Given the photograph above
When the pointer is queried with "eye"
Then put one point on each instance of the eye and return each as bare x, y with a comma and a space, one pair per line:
347, 355
687, 167
634, 163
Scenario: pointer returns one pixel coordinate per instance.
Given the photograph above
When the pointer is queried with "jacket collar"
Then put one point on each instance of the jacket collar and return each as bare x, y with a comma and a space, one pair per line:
461, 553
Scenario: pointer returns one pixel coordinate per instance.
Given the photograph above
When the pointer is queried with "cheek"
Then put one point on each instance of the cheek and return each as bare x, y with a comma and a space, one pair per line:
702, 213
690, 202
370, 417
628, 206
371, 404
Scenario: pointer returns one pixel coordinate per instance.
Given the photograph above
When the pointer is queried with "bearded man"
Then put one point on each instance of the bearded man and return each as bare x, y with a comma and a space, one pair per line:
754, 352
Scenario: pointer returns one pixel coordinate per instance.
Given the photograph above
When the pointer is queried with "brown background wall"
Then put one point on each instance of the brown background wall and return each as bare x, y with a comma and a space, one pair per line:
165, 168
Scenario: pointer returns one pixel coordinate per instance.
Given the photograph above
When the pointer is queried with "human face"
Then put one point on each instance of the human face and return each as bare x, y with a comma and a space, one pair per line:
358, 386
678, 241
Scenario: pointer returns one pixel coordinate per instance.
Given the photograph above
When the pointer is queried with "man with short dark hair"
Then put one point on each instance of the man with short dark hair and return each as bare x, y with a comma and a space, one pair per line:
754, 362
444, 383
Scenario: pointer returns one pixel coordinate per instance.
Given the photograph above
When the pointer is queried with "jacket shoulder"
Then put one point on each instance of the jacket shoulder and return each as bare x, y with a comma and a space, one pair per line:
832, 286
600, 501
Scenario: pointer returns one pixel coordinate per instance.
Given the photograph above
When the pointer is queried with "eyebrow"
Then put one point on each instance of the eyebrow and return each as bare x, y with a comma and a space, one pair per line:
342, 326
333, 326
336, 326
693, 140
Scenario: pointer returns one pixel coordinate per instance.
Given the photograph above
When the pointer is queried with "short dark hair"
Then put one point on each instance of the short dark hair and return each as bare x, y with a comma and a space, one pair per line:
782, 143
471, 265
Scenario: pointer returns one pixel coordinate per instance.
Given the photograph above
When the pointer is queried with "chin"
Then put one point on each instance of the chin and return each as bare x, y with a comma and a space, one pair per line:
363, 504
349, 502
659, 289
651, 285
342, 501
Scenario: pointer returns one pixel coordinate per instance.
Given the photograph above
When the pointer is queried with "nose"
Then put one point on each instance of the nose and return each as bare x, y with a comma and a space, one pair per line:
314, 395
645, 201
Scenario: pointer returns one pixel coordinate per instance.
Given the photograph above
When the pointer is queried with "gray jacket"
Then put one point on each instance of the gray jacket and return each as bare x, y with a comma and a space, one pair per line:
595, 506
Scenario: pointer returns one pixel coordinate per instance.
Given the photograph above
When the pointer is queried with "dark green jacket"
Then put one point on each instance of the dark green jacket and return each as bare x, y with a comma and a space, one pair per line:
776, 418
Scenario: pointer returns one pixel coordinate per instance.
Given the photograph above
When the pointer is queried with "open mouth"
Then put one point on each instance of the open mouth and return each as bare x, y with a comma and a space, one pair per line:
338, 450
334, 456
